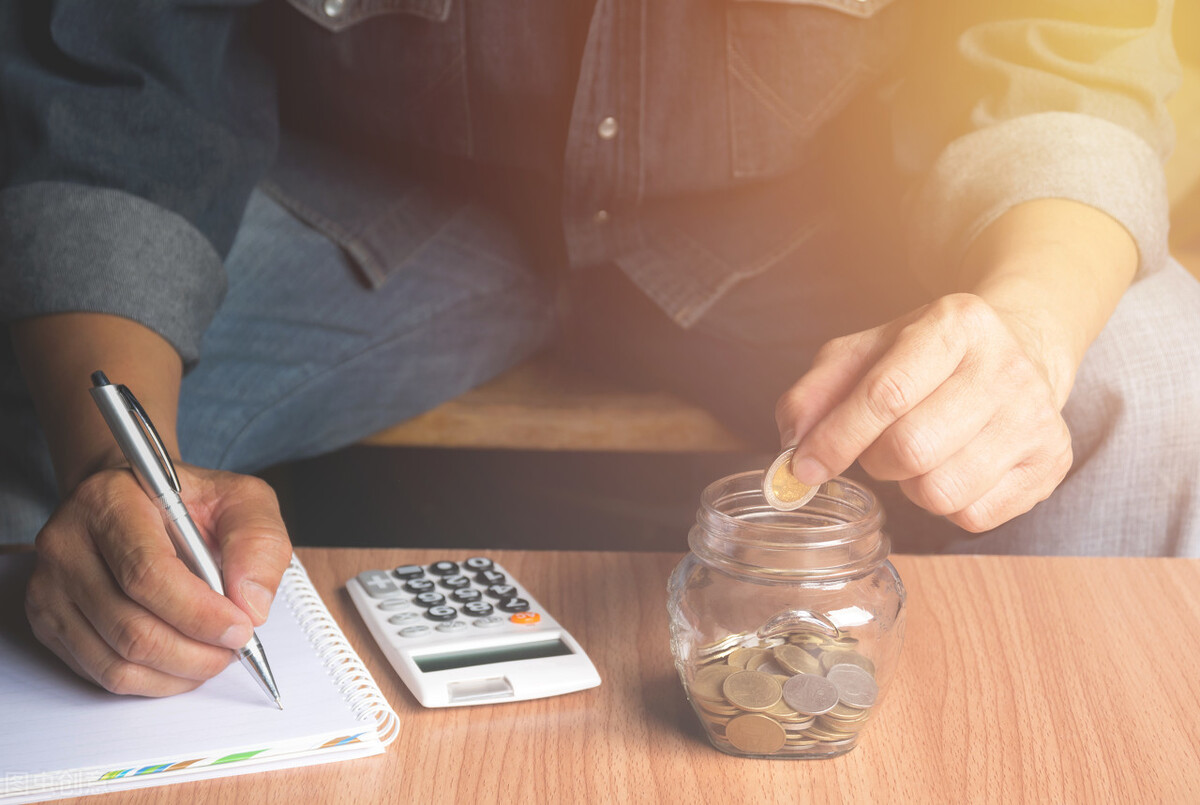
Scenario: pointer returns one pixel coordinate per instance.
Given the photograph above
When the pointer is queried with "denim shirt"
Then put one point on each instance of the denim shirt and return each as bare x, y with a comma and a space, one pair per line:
691, 142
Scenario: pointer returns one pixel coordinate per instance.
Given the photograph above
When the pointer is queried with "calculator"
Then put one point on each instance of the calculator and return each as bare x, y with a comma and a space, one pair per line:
461, 633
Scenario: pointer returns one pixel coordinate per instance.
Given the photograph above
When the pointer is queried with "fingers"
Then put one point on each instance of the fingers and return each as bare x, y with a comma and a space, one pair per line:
918, 360
110, 597
254, 545
141, 564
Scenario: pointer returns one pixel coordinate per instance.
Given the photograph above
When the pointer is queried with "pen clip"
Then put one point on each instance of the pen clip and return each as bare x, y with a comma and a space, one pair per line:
148, 428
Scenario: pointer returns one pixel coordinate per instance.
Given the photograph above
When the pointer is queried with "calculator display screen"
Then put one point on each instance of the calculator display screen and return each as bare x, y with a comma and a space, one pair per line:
493, 654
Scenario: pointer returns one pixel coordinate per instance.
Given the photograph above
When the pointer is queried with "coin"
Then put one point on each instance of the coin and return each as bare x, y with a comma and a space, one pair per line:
708, 681
856, 687
780, 487
795, 659
810, 694
755, 734
832, 657
751, 690
744, 656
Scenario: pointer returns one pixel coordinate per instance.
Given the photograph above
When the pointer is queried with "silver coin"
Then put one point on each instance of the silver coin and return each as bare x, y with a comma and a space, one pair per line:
810, 694
856, 687
780, 487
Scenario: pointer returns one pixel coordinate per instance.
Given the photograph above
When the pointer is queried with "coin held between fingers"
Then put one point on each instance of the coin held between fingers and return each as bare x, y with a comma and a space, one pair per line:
780, 487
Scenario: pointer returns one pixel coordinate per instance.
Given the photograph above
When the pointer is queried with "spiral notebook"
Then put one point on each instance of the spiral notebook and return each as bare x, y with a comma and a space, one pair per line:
61, 736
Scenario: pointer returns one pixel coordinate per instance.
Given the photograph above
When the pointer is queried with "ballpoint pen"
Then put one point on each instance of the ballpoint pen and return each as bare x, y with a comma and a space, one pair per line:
140, 442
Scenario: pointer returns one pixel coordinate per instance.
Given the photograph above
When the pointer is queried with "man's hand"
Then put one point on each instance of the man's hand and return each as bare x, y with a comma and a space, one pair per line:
947, 400
960, 401
109, 596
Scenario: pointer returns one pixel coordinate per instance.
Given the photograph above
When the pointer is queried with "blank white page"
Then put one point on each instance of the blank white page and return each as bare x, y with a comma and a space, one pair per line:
52, 721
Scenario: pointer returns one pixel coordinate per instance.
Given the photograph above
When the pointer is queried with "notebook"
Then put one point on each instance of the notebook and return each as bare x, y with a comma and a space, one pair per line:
62, 736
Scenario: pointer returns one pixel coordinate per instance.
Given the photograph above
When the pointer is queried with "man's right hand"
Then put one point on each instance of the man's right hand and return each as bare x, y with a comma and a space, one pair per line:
110, 597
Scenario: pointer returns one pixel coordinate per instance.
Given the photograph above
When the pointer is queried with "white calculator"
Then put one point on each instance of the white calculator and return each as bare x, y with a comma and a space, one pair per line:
462, 633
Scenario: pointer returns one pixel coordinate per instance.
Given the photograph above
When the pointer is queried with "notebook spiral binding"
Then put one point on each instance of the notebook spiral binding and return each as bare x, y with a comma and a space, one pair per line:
351, 676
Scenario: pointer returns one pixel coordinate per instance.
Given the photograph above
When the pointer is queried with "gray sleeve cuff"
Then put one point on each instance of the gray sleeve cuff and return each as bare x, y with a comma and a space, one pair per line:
74, 248
1046, 155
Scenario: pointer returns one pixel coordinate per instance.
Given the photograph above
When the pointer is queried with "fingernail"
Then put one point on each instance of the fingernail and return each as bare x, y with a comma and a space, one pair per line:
258, 598
809, 471
787, 438
236, 636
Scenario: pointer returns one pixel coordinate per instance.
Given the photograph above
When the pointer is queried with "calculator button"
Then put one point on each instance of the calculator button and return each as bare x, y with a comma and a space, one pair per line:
441, 613
407, 572
478, 563
489, 621
479, 608
377, 583
489, 577
419, 586
455, 582
443, 568
466, 595
514, 605
430, 599
451, 626
501, 590
525, 618
404, 617
392, 604
414, 631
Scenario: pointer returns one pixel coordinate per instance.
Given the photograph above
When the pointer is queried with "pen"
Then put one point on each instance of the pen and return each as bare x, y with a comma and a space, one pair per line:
139, 441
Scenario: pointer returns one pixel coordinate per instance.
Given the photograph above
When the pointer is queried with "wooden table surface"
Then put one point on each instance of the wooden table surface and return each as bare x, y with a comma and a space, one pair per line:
1021, 679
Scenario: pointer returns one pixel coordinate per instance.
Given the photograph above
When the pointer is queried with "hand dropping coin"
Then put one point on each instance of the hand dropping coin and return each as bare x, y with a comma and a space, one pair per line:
780, 487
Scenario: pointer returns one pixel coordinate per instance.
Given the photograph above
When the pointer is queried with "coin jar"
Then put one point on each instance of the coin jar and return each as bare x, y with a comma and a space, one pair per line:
786, 626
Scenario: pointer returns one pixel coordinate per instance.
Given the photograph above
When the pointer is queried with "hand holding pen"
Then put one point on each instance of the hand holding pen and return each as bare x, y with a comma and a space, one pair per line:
112, 599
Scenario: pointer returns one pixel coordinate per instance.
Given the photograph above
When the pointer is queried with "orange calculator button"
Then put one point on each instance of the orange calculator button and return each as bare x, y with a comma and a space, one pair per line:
526, 617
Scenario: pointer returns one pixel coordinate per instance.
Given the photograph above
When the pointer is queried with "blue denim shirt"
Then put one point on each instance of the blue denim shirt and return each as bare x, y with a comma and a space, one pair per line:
691, 142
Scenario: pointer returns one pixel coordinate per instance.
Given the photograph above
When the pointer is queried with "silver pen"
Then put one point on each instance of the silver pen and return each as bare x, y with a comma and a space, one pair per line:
148, 458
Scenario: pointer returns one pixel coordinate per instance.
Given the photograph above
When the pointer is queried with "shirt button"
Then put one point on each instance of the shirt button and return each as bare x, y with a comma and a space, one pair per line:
601, 217
334, 7
607, 128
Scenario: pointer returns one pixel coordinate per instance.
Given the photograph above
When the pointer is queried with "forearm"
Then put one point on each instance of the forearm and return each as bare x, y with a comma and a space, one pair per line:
59, 352
1055, 269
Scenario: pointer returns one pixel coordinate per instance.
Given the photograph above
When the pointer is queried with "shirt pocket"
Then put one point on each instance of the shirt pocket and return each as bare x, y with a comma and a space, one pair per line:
377, 74
792, 66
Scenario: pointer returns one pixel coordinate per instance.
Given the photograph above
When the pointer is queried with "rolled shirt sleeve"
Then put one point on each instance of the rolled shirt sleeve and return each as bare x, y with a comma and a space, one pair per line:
1069, 105
133, 133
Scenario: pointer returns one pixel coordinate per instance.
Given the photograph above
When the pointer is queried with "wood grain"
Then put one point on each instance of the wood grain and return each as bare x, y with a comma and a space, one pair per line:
1021, 680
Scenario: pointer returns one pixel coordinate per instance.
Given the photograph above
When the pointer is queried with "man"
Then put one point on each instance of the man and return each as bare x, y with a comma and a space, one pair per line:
726, 190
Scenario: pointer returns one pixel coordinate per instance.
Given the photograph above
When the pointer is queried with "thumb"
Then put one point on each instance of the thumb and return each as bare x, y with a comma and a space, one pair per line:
253, 541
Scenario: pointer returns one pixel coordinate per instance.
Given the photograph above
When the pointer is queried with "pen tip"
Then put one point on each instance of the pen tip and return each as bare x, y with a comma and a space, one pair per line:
278, 703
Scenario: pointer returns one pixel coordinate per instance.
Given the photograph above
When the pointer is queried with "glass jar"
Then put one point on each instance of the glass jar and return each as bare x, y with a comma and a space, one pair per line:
786, 626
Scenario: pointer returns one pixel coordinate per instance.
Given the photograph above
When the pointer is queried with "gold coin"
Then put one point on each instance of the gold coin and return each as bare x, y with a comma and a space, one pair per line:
751, 690
780, 487
832, 657
742, 657
707, 684
755, 734
795, 659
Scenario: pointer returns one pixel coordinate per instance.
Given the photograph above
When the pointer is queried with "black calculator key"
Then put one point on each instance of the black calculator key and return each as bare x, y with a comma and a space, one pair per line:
477, 608
478, 563
489, 577
466, 595
429, 599
441, 613
407, 572
443, 568
501, 591
455, 582
514, 604
418, 585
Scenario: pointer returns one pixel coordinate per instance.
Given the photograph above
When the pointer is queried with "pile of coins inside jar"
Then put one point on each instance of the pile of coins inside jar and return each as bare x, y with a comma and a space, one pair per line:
800, 693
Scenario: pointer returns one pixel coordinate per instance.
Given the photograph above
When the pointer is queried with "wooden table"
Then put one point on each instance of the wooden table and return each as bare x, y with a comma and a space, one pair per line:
1022, 679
